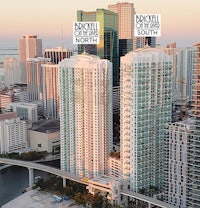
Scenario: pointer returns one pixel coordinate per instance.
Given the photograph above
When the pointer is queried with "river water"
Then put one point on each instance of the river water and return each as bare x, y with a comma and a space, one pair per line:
14, 179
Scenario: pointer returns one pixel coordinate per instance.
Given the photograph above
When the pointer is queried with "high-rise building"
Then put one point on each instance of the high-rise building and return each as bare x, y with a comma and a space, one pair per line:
145, 109
108, 48
176, 170
50, 90
11, 71
34, 78
57, 54
196, 81
182, 187
29, 47
193, 197
126, 12
184, 74
173, 51
85, 114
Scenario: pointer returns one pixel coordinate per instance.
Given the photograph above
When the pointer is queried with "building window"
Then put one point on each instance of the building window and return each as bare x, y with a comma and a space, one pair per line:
39, 145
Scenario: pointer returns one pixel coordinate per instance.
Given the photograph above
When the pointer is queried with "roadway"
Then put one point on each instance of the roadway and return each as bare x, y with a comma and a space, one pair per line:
41, 167
63, 174
147, 199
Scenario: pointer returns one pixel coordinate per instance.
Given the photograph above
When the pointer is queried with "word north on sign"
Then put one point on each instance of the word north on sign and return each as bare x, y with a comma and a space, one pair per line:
86, 32
147, 25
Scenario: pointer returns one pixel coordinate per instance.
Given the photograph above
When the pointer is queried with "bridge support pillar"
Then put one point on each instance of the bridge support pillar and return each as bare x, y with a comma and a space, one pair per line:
31, 177
149, 205
64, 182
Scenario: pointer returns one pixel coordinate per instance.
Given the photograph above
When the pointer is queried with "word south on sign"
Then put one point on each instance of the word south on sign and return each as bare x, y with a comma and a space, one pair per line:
147, 25
85, 32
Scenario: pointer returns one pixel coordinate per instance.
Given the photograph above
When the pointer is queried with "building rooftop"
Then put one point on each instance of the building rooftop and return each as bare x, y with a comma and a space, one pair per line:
103, 179
46, 126
9, 115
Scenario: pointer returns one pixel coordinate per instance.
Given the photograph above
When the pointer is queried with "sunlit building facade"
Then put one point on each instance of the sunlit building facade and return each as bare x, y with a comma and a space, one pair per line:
85, 115
12, 71
57, 54
13, 135
182, 188
108, 48
50, 90
126, 12
145, 109
176, 169
34, 77
193, 197
29, 47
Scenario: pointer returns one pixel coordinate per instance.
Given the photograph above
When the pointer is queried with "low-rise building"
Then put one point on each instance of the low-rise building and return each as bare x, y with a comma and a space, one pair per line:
45, 136
13, 133
107, 186
26, 111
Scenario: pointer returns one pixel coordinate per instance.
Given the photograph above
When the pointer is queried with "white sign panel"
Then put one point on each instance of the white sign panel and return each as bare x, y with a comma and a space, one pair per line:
147, 25
86, 32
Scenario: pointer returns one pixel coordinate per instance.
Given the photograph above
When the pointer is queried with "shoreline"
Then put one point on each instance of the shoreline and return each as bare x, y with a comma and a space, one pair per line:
39, 199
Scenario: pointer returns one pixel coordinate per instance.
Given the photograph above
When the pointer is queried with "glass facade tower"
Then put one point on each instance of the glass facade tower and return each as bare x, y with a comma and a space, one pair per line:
145, 109
108, 48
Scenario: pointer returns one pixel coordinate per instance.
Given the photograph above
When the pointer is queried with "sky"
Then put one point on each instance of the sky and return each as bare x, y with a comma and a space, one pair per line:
49, 19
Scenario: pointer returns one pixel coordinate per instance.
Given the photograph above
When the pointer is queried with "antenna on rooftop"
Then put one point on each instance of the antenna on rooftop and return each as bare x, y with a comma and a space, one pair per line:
62, 44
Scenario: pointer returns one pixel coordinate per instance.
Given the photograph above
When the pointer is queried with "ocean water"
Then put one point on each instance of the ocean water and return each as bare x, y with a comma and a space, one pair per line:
8, 53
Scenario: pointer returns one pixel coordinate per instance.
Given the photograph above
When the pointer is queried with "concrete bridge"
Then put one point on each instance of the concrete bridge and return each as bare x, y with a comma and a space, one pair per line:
31, 166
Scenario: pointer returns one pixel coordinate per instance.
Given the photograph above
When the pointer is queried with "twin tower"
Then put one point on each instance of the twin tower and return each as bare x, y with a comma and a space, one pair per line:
86, 123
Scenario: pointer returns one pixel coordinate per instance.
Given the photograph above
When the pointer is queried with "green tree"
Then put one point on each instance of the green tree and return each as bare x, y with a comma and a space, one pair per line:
78, 198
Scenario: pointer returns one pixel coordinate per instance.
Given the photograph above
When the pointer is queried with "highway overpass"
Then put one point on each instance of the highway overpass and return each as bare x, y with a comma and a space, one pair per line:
31, 166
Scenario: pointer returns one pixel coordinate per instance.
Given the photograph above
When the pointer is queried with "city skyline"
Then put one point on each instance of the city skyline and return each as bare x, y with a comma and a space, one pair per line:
178, 20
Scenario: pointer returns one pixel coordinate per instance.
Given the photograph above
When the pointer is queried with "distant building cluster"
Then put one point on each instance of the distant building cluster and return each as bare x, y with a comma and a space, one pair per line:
123, 114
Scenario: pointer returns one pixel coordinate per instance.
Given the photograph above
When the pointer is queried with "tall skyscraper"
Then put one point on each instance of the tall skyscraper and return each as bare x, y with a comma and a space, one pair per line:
196, 81
184, 74
125, 13
11, 71
86, 114
176, 170
57, 54
172, 50
29, 47
182, 187
34, 78
145, 109
50, 90
193, 196
108, 48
